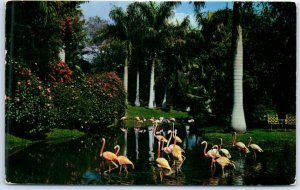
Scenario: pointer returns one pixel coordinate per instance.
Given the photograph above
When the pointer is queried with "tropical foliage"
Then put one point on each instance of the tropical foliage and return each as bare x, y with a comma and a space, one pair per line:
172, 65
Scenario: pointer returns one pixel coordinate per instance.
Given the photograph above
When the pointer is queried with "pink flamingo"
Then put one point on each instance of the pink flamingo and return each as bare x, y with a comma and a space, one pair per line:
109, 156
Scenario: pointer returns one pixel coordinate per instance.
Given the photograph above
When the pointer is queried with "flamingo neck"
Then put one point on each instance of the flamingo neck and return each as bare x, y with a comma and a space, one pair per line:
250, 140
221, 143
162, 146
204, 151
158, 150
234, 139
117, 150
175, 138
154, 130
169, 140
102, 148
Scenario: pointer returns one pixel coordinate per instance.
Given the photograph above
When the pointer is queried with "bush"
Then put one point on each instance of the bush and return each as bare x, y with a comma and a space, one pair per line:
30, 109
88, 105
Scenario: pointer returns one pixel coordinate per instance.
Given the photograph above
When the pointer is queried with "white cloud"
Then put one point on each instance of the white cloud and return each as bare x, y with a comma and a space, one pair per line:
180, 16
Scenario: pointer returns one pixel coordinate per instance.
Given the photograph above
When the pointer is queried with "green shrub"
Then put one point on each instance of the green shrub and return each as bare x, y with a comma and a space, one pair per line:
30, 109
88, 105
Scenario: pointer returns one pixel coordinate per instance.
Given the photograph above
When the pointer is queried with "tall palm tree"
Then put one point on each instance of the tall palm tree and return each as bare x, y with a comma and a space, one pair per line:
156, 16
123, 30
238, 122
175, 56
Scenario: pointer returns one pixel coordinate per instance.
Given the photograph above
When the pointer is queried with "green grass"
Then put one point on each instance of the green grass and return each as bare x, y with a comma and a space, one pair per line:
147, 113
259, 136
13, 141
55, 134
132, 112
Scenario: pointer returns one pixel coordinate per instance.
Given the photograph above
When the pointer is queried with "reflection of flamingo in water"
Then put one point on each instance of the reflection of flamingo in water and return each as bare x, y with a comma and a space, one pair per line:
123, 160
255, 147
151, 143
125, 130
162, 163
109, 156
136, 133
239, 145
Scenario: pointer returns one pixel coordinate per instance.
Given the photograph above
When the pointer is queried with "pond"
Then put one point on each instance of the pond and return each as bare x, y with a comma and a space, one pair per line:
77, 162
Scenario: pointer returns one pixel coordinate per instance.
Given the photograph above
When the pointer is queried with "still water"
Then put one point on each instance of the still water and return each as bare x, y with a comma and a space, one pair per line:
78, 162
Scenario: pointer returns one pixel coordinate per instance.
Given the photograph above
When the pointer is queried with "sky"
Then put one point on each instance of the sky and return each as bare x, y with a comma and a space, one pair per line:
102, 9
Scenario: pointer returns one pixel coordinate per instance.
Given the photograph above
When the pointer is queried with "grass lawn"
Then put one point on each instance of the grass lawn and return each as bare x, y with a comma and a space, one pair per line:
13, 141
132, 112
259, 136
55, 135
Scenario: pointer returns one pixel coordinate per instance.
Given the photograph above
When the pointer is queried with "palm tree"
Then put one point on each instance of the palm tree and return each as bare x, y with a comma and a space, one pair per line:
175, 57
238, 122
123, 30
156, 16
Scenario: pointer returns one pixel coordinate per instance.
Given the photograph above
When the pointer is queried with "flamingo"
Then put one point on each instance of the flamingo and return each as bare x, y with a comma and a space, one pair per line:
223, 151
159, 137
168, 149
212, 153
255, 147
223, 162
139, 120
109, 156
125, 117
241, 146
177, 154
122, 160
162, 163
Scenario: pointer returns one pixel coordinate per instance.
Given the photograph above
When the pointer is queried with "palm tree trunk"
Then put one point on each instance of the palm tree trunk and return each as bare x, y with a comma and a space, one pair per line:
164, 103
125, 78
137, 95
152, 93
238, 122
128, 55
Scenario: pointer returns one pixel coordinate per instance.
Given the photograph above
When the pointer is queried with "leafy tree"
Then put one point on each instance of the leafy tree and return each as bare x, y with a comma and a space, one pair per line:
124, 30
37, 37
155, 16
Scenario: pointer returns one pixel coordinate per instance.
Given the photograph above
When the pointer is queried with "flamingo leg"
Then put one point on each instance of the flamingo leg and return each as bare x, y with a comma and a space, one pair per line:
105, 172
116, 165
161, 175
109, 170
120, 169
183, 159
126, 170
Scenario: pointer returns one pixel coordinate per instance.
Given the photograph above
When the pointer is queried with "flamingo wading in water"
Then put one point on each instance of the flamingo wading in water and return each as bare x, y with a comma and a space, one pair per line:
212, 153
122, 160
162, 163
109, 156
239, 145
255, 147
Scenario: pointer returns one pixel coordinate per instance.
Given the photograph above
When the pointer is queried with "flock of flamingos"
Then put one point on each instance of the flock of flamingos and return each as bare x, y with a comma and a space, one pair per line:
217, 154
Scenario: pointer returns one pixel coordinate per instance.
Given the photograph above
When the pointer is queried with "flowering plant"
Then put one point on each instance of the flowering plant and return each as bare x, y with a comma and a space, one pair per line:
30, 109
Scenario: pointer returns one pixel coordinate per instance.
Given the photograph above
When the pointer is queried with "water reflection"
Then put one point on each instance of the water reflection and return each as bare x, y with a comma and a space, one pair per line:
151, 143
78, 162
